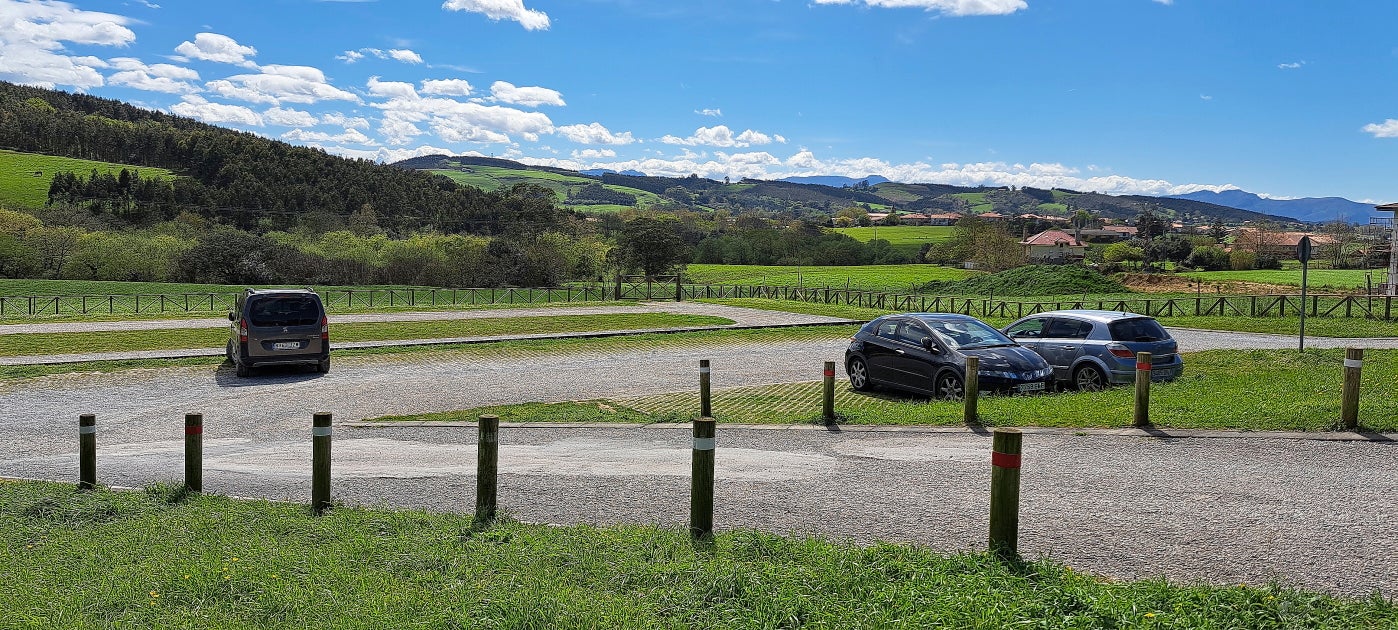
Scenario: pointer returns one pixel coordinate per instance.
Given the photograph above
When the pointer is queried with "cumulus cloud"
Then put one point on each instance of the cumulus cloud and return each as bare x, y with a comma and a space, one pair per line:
289, 117
32, 37
498, 10
397, 54
593, 154
160, 77
1291, 66
447, 87
386, 155
1385, 129
350, 136
527, 96
217, 48
594, 133
948, 7
457, 121
341, 120
722, 136
196, 107
715, 112
278, 84
393, 89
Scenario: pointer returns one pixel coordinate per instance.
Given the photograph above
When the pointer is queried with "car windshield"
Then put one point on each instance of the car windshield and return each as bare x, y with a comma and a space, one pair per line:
967, 333
290, 310
1138, 329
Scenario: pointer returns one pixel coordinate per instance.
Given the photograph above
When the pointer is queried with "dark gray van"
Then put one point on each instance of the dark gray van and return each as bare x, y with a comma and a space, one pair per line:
278, 327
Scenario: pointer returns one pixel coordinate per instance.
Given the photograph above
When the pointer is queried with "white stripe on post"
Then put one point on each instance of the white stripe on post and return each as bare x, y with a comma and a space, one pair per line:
321, 431
1354, 363
705, 444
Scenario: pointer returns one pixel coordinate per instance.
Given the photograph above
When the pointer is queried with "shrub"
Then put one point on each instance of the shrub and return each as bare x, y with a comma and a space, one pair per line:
1209, 258
1242, 260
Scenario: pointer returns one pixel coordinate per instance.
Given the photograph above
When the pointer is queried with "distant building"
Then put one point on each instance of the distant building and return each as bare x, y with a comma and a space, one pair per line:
946, 218
1053, 246
992, 216
915, 218
1089, 235
1126, 231
1279, 245
877, 217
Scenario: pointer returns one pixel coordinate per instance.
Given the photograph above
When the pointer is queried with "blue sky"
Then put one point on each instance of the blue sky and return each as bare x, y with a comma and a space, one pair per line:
1289, 98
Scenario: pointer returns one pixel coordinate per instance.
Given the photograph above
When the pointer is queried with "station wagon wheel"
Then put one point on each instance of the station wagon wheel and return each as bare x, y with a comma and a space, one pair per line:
858, 375
949, 387
1089, 379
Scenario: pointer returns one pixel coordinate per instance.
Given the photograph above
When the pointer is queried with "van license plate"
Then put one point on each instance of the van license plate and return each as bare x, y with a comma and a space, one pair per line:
1029, 387
286, 345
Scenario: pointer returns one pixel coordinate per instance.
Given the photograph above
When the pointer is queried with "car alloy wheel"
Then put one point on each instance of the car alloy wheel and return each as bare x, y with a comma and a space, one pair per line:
949, 387
858, 375
1089, 379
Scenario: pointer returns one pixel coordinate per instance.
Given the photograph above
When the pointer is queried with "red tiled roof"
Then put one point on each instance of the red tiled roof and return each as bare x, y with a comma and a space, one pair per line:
1051, 238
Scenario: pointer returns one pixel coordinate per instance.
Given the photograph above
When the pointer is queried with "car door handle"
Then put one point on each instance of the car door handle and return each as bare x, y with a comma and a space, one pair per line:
900, 351
1069, 347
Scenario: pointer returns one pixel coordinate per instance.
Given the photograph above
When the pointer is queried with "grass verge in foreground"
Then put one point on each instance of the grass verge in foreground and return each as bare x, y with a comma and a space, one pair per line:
162, 559
1258, 390
183, 338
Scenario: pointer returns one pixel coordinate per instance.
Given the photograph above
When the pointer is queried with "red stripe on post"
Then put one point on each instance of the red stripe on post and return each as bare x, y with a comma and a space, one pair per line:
829, 373
195, 429
1142, 366
1004, 460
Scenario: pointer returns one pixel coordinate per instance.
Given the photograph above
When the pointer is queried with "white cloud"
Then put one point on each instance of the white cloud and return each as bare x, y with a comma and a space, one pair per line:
341, 120
1166, 2
386, 155
217, 48
1385, 129
948, 7
456, 121
1291, 66
398, 129
594, 133
397, 54
289, 117
392, 89
715, 112
498, 10
722, 136
32, 37
528, 96
447, 87
281, 84
350, 136
198, 108
1206, 97
593, 154
160, 77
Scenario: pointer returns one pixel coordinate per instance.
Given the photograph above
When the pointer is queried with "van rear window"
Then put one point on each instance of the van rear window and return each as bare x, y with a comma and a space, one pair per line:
291, 310
1137, 329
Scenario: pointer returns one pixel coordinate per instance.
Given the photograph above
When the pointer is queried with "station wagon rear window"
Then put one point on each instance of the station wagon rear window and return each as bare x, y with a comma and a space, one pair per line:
290, 310
1138, 329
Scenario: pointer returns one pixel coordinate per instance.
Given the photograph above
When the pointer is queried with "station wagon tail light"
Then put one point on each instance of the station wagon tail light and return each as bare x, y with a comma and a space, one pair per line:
243, 332
324, 328
1119, 350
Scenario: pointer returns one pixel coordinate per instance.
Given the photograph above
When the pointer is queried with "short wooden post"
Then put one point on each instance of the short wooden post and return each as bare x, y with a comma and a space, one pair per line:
1004, 493
701, 493
1349, 405
487, 461
87, 451
320, 462
827, 410
1143, 364
194, 452
973, 390
705, 402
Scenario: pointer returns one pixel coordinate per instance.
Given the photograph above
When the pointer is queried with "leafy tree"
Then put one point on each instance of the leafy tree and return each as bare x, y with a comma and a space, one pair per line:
1218, 230
1343, 235
1173, 248
1150, 225
1121, 252
651, 246
1208, 258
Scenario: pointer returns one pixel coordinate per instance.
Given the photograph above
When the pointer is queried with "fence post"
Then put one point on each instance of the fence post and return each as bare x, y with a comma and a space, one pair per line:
1143, 366
705, 401
973, 390
87, 451
194, 452
1349, 405
487, 462
701, 493
1004, 492
320, 462
827, 409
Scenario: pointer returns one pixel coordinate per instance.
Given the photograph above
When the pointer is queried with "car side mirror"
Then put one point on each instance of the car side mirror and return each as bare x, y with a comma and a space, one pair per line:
232, 317
931, 345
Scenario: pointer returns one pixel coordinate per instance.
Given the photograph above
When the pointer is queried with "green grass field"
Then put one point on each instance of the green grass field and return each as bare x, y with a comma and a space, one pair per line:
1317, 279
868, 277
905, 238
494, 177
163, 558
21, 188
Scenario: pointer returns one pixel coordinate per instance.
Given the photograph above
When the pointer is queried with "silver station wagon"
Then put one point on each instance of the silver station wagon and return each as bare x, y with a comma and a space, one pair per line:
1093, 349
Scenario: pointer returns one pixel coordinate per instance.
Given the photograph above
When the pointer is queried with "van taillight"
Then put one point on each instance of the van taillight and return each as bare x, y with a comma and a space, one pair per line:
325, 328
243, 332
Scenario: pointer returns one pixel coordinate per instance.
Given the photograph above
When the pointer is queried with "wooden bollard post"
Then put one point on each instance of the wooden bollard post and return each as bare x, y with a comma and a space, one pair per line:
701, 492
320, 462
705, 407
1349, 404
87, 451
973, 390
1143, 365
194, 452
827, 409
1004, 493
487, 462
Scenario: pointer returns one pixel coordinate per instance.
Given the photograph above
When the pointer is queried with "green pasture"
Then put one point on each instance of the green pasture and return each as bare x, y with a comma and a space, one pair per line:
494, 177
867, 277
20, 187
166, 558
906, 238
1316, 279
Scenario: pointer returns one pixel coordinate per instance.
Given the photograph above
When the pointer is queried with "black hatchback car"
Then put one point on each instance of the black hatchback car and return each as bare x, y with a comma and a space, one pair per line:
926, 353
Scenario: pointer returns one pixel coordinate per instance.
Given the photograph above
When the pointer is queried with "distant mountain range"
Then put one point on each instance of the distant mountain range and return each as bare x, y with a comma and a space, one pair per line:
1309, 209
835, 181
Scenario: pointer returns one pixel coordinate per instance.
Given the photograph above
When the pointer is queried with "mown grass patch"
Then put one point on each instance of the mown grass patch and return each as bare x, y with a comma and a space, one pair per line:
26, 344
1259, 390
1316, 279
866, 277
107, 559
905, 238
25, 177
